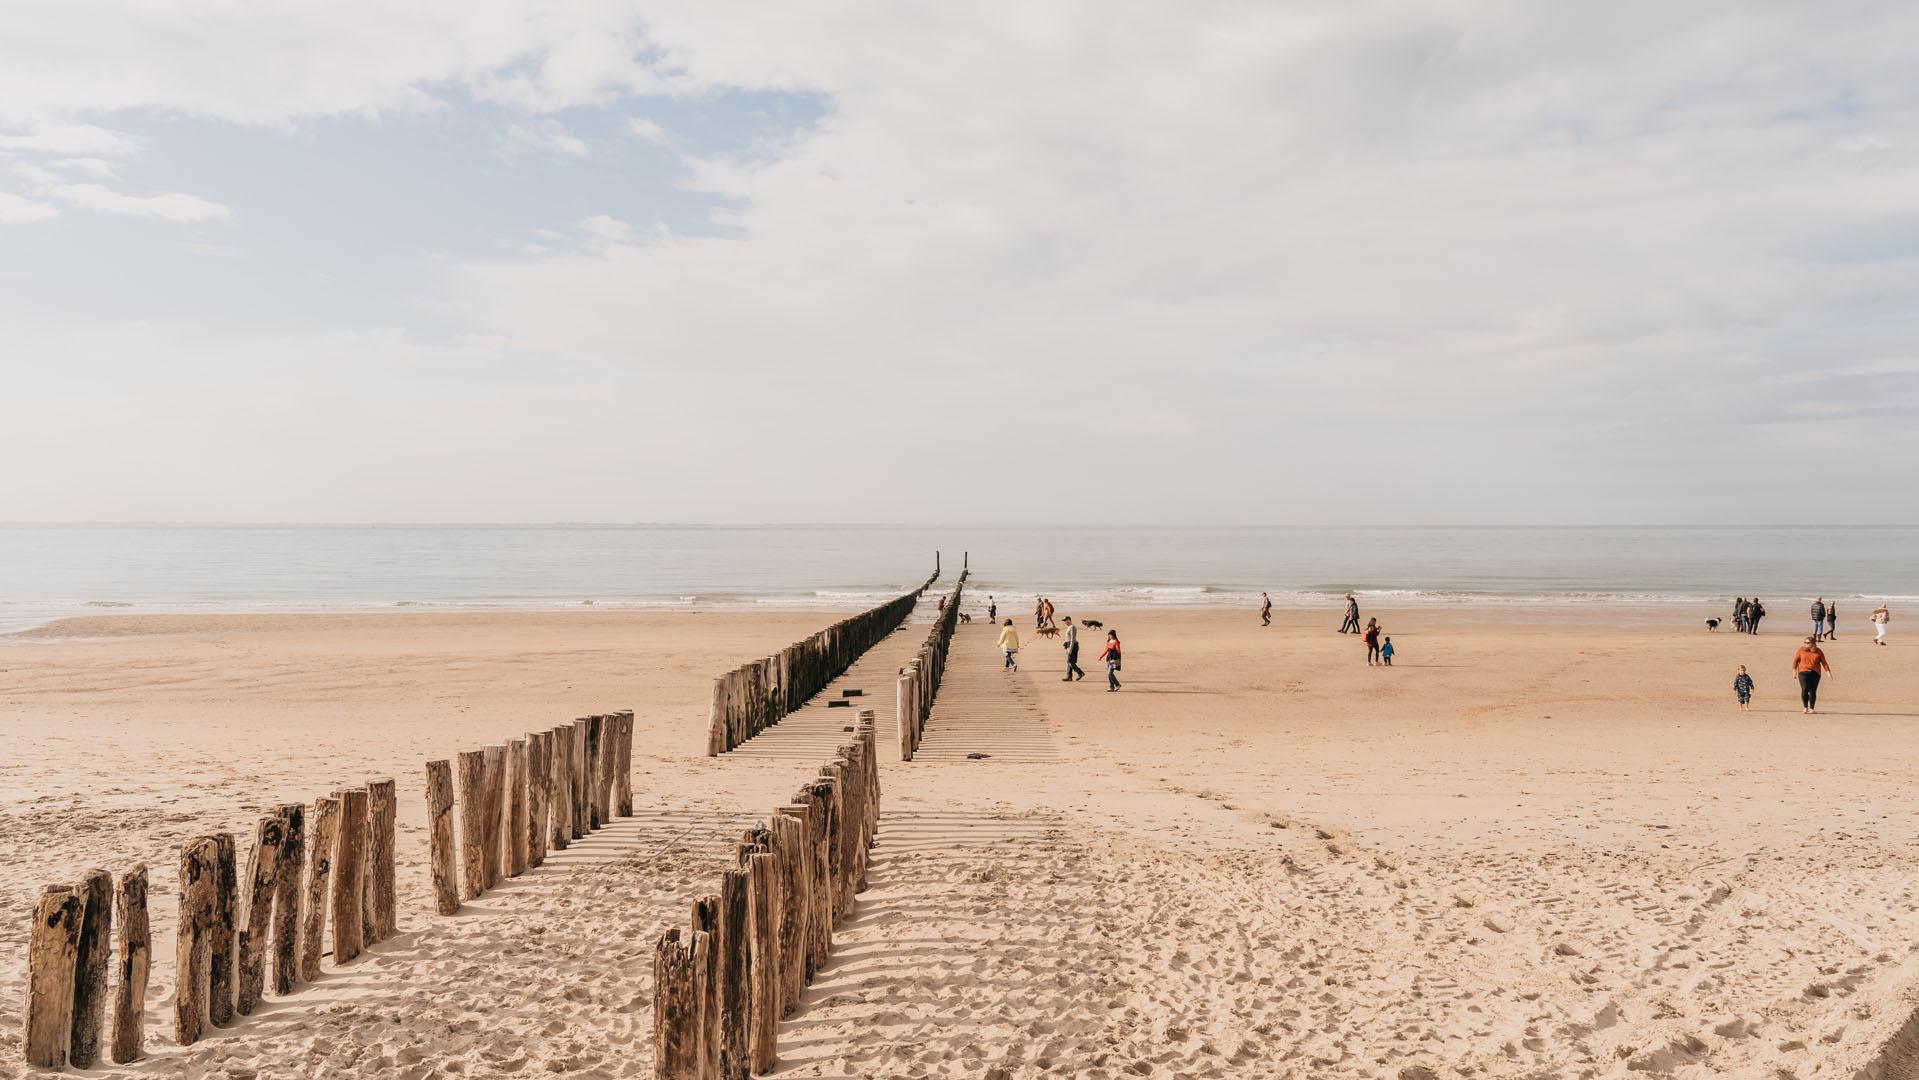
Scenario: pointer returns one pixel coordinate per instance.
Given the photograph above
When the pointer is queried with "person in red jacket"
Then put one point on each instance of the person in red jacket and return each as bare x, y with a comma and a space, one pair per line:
1110, 654
1809, 663
1372, 642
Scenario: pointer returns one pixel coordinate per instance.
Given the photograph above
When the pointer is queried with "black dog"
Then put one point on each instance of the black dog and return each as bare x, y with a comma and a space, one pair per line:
1092, 624
1711, 625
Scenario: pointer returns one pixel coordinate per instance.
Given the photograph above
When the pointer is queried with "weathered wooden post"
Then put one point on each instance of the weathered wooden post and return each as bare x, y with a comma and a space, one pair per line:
199, 881
582, 770
440, 844
535, 799
223, 948
515, 820
380, 915
902, 698
829, 788
596, 771
788, 836
135, 962
261, 880
763, 904
472, 822
492, 814
559, 806
349, 877
819, 918
52, 947
286, 898
679, 989
93, 948
732, 970
323, 845
623, 774
706, 919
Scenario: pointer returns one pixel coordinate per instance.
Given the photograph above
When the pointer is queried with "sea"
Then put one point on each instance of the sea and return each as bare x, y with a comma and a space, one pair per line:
52, 571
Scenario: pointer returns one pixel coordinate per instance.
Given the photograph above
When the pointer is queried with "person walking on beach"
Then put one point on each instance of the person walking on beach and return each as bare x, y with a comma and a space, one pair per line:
1754, 612
1009, 642
1372, 642
1039, 612
1386, 652
1832, 621
1742, 689
1110, 654
1880, 617
992, 609
1071, 645
1819, 618
1808, 664
1047, 615
1351, 625
1739, 614
1265, 610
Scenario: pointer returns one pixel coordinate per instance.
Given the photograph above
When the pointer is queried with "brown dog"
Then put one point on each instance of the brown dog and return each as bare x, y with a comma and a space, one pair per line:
1048, 631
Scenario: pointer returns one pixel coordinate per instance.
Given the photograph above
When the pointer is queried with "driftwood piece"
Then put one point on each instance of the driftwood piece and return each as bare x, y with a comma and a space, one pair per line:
286, 898
492, 810
764, 1006
223, 956
261, 880
472, 824
380, 914
135, 963
323, 845
440, 845
94, 947
52, 947
349, 877
193, 947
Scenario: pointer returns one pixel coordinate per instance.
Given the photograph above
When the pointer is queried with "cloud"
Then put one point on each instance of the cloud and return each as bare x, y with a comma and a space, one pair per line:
79, 140
15, 210
647, 130
167, 207
97, 168
607, 228
543, 137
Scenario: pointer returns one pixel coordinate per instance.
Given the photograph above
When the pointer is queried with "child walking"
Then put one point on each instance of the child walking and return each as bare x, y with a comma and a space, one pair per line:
1742, 687
1386, 652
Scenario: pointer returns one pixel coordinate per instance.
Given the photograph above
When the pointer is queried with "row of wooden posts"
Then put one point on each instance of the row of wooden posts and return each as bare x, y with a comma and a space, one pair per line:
919, 680
722, 984
518, 799
754, 697
229, 924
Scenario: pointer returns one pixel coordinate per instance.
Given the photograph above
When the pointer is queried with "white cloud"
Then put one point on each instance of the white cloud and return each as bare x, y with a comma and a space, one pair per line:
1860, 144
607, 228
97, 168
16, 210
647, 130
79, 140
172, 206
544, 136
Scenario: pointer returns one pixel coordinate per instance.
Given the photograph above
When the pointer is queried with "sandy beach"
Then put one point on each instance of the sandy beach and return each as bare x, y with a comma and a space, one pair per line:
1535, 847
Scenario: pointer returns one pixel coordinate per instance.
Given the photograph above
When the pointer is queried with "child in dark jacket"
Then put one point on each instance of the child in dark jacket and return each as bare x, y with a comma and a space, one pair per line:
1742, 687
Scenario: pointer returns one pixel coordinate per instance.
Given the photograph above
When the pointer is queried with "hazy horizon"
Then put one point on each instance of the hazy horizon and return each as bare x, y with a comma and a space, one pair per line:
508, 261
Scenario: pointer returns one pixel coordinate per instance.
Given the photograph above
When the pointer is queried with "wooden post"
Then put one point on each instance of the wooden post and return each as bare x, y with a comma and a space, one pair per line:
597, 771
731, 969
92, 948
763, 904
261, 880
559, 781
323, 845
439, 818
829, 789
582, 771
535, 799
349, 877
679, 992
806, 962
286, 899
52, 948
223, 957
788, 840
706, 919
135, 962
192, 974
472, 822
492, 811
623, 773
382, 900
514, 821
819, 917
609, 786
902, 692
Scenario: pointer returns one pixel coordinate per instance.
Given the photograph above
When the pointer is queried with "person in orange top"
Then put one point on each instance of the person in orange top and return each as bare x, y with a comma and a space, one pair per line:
1809, 663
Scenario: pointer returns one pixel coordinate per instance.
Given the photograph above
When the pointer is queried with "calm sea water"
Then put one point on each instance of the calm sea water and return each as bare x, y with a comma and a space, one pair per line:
47, 571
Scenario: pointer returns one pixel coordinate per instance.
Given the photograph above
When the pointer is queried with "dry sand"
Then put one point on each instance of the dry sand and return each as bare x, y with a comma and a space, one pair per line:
1543, 848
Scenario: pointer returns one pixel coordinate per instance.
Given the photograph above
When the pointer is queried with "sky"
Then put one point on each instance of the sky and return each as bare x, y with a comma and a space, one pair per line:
1338, 261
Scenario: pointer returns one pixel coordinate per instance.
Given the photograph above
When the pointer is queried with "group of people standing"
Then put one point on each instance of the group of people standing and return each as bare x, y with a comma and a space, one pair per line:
1043, 612
1746, 614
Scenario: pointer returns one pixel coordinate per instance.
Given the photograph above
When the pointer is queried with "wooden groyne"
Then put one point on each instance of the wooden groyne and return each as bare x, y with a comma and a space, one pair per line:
755, 696
723, 983
517, 800
919, 680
